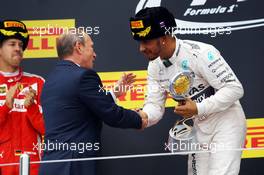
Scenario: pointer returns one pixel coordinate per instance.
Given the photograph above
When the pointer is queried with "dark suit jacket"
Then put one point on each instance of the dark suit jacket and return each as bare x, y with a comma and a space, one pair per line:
74, 108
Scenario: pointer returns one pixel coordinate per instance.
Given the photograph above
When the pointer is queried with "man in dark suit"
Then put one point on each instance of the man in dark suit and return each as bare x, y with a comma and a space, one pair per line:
75, 106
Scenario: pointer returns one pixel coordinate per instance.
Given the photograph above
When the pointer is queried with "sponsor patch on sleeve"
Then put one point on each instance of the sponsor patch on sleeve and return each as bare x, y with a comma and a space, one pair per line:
3, 89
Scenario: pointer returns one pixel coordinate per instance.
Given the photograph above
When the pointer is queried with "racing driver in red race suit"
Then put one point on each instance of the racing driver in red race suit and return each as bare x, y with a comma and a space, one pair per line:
21, 120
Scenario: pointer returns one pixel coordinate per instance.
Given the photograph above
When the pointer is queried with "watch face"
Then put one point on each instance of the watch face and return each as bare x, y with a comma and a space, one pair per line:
180, 85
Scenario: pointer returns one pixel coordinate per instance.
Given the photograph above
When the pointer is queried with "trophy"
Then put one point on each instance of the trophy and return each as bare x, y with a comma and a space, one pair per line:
182, 138
181, 133
180, 85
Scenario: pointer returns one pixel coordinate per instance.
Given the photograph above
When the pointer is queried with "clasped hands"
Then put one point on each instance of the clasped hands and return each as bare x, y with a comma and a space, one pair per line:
30, 96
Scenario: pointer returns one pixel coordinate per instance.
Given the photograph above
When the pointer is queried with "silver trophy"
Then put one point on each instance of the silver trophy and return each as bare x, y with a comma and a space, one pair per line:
181, 135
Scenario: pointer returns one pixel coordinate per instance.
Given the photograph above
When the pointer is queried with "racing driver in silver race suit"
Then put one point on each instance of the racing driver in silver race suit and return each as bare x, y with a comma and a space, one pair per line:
213, 98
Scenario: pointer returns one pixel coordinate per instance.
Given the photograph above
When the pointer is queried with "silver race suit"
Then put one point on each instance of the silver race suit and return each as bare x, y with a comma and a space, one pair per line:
216, 90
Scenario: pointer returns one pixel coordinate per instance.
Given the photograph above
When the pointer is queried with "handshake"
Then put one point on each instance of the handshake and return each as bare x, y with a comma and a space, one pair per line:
186, 109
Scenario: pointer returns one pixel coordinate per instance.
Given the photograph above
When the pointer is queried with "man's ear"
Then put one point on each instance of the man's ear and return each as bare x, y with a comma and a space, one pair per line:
78, 47
162, 40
